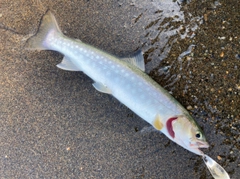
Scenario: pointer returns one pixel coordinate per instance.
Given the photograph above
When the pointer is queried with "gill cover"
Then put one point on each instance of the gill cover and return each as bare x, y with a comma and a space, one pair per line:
185, 132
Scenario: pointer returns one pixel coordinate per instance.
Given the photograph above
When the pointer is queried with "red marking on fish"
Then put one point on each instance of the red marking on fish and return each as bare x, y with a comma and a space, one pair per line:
170, 127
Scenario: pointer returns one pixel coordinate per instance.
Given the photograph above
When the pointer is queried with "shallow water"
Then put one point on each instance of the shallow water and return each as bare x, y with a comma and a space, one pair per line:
166, 23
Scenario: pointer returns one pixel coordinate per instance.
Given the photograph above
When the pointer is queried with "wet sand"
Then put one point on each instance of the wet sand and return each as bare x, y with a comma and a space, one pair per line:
54, 124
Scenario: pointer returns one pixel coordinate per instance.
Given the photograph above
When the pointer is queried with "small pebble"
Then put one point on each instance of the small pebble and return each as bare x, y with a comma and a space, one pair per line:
219, 158
237, 56
237, 87
205, 17
189, 107
222, 38
222, 54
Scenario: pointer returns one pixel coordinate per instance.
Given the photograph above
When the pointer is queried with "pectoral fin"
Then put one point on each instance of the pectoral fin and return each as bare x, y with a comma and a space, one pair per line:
101, 88
66, 64
157, 123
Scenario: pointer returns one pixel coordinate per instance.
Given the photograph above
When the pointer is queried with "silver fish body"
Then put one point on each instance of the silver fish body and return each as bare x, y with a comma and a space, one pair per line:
127, 83
123, 78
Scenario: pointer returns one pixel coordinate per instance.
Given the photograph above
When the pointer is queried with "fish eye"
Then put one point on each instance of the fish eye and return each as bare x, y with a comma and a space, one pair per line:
198, 135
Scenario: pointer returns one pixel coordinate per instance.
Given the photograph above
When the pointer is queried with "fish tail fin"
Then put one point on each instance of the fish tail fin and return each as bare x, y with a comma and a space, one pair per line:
48, 28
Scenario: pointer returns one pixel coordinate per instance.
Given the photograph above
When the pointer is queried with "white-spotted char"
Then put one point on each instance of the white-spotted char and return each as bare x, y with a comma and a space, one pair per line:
125, 79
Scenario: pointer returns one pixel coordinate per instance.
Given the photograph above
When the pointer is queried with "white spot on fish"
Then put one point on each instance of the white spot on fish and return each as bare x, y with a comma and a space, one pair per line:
126, 74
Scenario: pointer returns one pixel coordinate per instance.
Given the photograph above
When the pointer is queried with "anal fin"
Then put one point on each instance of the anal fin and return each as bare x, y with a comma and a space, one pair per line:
66, 64
101, 88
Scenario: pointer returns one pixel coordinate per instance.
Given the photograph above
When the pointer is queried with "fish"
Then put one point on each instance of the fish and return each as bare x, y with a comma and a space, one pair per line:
126, 80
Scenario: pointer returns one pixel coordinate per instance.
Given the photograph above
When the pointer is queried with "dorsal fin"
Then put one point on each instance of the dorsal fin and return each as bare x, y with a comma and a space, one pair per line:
136, 60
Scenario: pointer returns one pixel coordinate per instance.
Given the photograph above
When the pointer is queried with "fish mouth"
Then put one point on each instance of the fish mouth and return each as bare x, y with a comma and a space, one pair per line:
202, 144
195, 148
199, 145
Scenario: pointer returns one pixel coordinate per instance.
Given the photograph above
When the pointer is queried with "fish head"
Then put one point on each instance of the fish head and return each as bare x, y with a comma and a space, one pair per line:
185, 132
